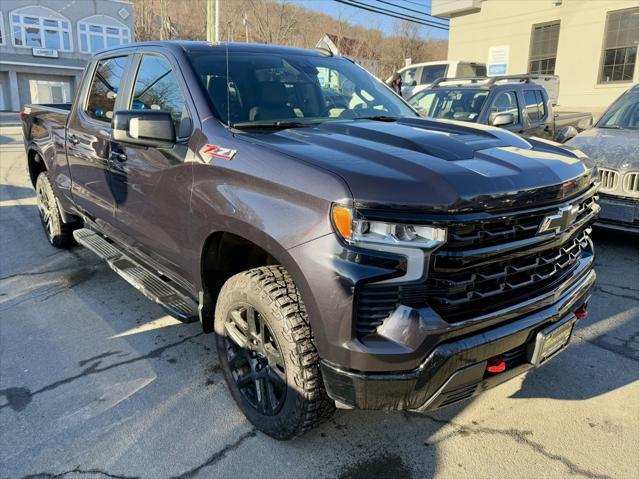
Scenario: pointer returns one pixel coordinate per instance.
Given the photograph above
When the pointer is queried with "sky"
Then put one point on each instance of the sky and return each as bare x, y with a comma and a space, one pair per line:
369, 19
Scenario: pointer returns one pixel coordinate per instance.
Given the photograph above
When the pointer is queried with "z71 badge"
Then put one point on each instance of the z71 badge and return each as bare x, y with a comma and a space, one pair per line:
213, 151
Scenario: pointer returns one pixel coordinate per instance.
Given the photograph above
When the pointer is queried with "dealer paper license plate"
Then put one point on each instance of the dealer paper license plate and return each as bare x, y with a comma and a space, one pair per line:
553, 339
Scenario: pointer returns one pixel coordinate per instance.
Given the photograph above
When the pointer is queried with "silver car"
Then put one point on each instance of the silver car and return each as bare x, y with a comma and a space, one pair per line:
613, 143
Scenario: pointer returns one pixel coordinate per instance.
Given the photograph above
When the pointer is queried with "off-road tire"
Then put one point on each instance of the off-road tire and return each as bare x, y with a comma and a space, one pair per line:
58, 233
272, 293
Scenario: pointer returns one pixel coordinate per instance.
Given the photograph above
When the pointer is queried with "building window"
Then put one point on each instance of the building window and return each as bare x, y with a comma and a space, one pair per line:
99, 31
619, 55
40, 27
1, 29
543, 48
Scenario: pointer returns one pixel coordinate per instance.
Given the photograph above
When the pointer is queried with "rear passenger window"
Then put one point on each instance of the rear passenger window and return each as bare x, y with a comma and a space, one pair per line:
535, 108
104, 88
156, 88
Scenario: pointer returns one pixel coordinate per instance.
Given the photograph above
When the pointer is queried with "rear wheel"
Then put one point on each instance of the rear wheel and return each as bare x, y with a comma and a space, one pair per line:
267, 354
58, 233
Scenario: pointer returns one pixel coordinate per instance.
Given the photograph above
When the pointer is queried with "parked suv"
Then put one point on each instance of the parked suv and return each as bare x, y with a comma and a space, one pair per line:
345, 251
419, 76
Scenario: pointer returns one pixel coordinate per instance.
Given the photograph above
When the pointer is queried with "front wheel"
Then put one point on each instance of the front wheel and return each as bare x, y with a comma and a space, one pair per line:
267, 353
58, 233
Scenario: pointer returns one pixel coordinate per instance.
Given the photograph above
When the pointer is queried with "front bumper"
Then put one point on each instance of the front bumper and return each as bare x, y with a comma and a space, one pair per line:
619, 213
454, 370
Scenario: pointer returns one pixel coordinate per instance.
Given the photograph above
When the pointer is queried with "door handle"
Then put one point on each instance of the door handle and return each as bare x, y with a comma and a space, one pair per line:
74, 140
117, 156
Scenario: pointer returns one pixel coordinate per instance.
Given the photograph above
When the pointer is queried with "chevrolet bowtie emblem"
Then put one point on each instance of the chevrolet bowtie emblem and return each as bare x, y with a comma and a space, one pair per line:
561, 220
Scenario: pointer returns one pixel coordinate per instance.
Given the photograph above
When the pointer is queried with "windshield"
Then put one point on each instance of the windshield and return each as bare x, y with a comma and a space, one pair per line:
451, 104
263, 89
624, 113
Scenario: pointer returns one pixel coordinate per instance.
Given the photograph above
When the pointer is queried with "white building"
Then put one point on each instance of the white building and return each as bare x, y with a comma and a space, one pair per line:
45, 44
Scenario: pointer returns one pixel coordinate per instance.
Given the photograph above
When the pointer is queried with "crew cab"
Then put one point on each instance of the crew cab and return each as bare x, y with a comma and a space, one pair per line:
344, 251
518, 103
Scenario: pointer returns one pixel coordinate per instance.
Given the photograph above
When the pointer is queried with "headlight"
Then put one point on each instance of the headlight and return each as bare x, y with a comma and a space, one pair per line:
363, 232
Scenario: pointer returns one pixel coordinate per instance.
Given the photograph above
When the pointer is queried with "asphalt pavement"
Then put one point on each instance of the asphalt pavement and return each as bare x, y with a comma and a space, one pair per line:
98, 382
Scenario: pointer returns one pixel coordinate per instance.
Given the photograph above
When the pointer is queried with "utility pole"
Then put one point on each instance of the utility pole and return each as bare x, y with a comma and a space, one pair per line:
212, 21
245, 22
217, 21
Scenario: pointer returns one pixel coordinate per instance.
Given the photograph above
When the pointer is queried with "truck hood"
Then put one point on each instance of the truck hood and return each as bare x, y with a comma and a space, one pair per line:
434, 165
609, 148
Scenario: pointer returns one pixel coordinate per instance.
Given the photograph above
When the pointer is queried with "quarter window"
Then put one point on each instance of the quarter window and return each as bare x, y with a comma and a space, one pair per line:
535, 107
506, 102
39, 27
105, 87
619, 56
543, 48
98, 32
156, 88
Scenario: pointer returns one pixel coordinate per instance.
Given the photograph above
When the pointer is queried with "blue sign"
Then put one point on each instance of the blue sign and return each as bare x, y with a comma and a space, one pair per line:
497, 69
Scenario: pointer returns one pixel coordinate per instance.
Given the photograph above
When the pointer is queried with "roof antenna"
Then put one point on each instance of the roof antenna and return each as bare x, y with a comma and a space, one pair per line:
228, 94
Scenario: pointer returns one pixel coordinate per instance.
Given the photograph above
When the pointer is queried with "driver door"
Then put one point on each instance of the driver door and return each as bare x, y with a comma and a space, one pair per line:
153, 185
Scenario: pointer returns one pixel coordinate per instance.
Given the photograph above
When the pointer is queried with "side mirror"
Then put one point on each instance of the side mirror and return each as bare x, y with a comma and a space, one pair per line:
414, 83
502, 119
566, 133
143, 128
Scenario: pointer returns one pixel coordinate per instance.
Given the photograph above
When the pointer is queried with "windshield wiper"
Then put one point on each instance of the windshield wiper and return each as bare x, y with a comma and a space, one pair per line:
245, 125
377, 118
611, 127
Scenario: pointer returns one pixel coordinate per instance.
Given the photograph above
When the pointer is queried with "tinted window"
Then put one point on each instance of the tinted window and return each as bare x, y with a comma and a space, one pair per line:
534, 105
433, 72
506, 102
104, 88
156, 88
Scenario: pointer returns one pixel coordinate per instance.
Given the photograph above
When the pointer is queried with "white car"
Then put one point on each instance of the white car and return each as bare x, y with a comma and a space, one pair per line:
419, 76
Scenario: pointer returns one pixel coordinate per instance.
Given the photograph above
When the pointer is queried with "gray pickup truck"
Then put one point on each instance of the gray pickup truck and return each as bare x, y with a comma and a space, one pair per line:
518, 103
344, 251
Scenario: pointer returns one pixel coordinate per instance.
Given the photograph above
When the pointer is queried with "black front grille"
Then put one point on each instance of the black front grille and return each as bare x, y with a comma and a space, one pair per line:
460, 292
504, 229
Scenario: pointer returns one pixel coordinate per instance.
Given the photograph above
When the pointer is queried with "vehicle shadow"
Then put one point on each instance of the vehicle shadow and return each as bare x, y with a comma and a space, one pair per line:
11, 192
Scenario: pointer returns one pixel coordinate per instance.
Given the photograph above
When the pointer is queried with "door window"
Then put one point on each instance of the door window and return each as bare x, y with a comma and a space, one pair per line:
104, 88
535, 108
506, 102
156, 88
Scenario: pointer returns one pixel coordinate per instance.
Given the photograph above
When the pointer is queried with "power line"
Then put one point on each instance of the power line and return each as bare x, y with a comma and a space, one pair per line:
389, 13
412, 10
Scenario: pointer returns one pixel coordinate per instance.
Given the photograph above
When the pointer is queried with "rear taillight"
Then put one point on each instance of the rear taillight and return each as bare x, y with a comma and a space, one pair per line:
21, 116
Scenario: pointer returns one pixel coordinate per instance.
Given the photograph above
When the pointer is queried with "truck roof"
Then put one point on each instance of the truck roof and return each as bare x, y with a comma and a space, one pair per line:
189, 46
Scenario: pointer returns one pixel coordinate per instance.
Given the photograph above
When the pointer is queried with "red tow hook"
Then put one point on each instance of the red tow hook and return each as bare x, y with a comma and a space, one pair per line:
581, 313
496, 365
